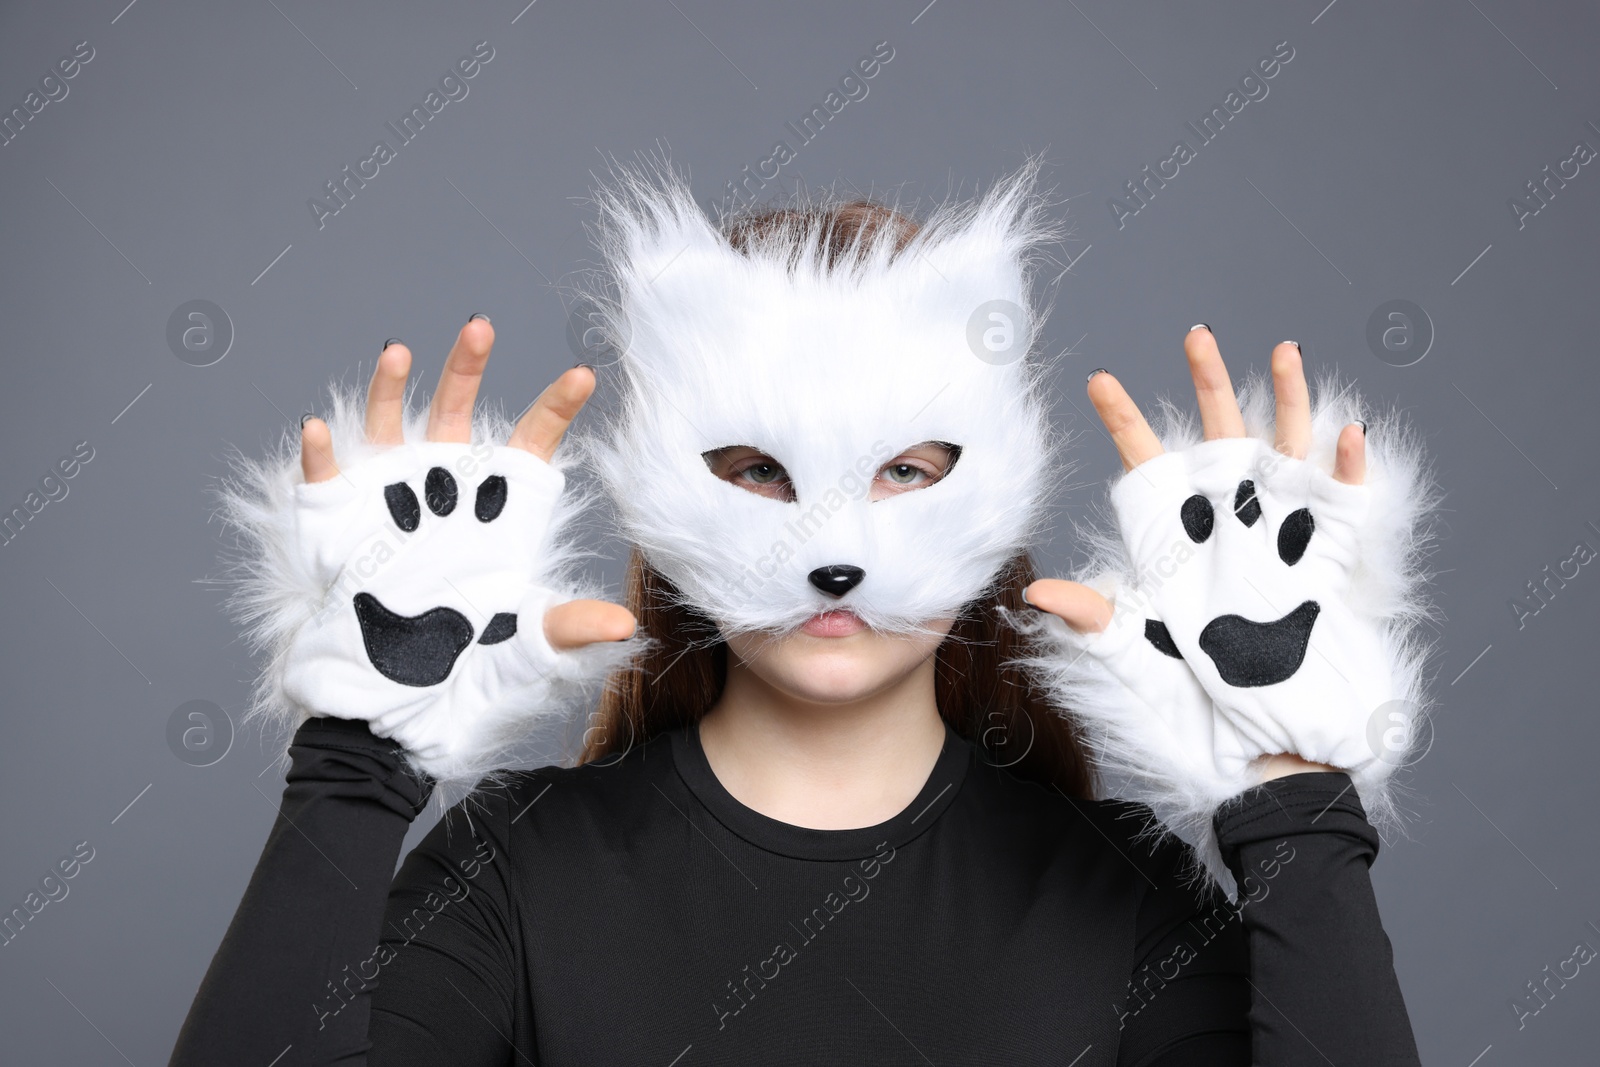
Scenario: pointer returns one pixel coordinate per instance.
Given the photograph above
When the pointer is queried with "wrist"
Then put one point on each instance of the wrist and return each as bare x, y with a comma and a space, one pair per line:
1286, 763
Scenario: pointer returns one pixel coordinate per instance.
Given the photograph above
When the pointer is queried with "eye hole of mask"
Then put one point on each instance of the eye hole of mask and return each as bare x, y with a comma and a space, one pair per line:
750, 469
916, 467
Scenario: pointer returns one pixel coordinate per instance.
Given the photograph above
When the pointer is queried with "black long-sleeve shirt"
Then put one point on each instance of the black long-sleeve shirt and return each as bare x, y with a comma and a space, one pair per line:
634, 912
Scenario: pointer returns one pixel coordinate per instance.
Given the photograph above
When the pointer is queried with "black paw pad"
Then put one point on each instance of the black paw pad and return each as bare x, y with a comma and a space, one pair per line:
1294, 535
1245, 503
1198, 518
417, 650
503, 627
403, 506
1156, 632
491, 498
440, 489
1249, 654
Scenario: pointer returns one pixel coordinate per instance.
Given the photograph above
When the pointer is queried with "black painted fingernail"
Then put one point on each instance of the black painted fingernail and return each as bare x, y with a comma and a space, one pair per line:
1097, 370
589, 365
1025, 599
1362, 423
390, 341
478, 315
1296, 346
1207, 326
303, 418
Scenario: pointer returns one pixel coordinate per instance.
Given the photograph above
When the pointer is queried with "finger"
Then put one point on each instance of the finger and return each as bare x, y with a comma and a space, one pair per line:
1219, 408
1080, 607
386, 395
1293, 398
316, 451
539, 430
582, 622
1350, 455
450, 413
1132, 435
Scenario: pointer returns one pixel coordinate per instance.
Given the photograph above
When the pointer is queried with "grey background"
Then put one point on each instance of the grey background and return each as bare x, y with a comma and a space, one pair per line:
178, 167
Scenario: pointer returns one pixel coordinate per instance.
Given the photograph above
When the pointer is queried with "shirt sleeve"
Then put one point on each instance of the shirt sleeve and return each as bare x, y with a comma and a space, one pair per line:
1298, 971
1322, 980
334, 959
447, 989
312, 910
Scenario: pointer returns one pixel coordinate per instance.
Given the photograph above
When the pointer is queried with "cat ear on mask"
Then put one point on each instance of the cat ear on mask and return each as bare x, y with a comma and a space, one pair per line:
987, 247
668, 260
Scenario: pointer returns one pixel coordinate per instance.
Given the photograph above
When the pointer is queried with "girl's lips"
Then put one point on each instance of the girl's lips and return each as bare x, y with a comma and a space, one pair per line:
839, 623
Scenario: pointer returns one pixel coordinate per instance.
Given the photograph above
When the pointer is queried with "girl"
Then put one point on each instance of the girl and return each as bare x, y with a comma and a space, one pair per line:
832, 811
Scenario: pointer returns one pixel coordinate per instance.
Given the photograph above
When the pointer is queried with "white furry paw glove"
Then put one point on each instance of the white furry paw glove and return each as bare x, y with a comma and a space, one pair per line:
432, 624
409, 590
1243, 560
1259, 606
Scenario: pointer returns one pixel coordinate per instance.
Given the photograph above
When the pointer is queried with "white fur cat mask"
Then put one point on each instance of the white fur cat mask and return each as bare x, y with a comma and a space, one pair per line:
833, 372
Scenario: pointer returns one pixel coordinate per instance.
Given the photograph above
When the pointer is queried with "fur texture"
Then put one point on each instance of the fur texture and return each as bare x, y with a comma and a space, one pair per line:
277, 593
832, 371
1154, 759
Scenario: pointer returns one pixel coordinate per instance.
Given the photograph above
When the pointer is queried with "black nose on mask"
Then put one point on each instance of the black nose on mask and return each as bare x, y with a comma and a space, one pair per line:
838, 579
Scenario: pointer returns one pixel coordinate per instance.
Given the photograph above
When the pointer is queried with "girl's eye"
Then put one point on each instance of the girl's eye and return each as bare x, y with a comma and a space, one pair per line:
750, 470
905, 473
916, 468
763, 473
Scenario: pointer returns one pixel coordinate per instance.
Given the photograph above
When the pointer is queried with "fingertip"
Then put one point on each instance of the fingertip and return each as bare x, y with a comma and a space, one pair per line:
618, 623
395, 359
316, 449
569, 392
479, 331
1286, 358
584, 378
1098, 614
633, 627
1080, 607
577, 623
1350, 455
1199, 343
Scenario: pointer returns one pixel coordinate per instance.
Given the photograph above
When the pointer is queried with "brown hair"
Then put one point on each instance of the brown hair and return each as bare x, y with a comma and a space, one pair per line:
844, 231
985, 697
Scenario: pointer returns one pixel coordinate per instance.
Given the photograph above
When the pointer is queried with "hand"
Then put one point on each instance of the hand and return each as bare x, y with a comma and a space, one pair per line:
1254, 614
1088, 611
569, 625
1085, 610
424, 586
